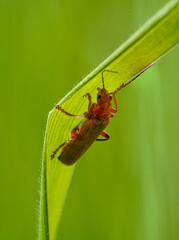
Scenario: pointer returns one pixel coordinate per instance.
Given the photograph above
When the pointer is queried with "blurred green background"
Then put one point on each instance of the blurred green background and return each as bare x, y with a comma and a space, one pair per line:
125, 188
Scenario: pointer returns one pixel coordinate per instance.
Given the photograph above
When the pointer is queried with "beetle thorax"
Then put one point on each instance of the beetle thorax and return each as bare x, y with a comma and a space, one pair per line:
103, 110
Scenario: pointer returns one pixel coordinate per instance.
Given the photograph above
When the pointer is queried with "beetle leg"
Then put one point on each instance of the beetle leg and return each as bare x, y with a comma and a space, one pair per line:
115, 102
74, 133
57, 149
89, 98
66, 113
132, 79
64, 149
105, 135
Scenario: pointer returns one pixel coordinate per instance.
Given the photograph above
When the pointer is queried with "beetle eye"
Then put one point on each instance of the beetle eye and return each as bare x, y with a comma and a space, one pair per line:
110, 97
99, 96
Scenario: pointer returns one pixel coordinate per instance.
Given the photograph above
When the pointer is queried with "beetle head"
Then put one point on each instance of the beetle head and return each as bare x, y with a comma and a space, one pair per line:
103, 96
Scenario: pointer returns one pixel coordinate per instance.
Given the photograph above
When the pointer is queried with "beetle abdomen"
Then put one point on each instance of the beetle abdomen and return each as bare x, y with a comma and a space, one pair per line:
88, 133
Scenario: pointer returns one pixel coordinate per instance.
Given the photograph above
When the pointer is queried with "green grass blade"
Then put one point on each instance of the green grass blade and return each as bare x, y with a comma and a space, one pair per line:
43, 226
148, 44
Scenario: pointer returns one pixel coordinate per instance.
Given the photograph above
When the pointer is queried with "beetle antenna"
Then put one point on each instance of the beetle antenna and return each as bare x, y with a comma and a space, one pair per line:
103, 76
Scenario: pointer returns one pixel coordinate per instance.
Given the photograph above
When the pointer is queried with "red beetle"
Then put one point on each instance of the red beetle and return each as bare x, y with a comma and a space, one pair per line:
96, 120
